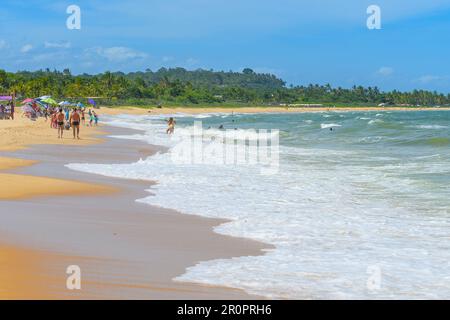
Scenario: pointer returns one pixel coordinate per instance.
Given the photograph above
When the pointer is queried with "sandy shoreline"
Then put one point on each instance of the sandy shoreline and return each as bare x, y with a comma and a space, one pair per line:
198, 110
126, 250
20, 133
52, 217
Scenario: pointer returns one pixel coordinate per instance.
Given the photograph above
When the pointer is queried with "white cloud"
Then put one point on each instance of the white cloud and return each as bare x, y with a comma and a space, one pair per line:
3, 44
26, 48
118, 54
61, 45
431, 78
192, 62
385, 71
167, 59
49, 58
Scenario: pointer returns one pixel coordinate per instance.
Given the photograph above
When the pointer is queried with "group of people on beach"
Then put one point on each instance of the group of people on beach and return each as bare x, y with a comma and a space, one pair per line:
7, 111
63, 119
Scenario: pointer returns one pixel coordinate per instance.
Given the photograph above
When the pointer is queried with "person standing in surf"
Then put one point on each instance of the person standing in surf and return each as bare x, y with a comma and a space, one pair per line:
171, 123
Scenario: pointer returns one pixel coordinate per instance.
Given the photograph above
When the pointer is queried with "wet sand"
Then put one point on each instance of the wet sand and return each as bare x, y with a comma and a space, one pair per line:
125, 249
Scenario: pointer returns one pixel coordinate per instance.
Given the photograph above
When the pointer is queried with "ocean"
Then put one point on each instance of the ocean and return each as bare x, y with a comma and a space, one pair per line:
358, 208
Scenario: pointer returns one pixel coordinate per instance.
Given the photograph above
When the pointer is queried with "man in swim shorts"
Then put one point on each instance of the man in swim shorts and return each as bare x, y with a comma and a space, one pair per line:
60, 122
75, 120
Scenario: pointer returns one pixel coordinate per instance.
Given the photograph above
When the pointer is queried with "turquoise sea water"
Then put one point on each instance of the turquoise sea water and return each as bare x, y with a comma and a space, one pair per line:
359, 211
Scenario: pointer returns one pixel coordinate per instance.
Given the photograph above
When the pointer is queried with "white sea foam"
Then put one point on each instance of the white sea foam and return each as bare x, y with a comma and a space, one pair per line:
375, 121
371, 139
329, 125
434, 126
331, 222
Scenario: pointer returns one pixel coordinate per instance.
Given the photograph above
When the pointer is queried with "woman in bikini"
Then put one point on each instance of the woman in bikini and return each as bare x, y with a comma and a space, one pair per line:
171, 123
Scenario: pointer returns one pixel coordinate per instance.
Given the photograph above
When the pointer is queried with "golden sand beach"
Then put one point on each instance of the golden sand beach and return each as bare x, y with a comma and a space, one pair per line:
19, 134
18, 265
50, 216
102, 209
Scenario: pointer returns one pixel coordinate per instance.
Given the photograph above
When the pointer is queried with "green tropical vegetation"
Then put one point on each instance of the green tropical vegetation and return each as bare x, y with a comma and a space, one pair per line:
178, 86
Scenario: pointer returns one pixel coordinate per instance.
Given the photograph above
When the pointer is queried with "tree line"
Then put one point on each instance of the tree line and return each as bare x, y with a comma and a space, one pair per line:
179, 86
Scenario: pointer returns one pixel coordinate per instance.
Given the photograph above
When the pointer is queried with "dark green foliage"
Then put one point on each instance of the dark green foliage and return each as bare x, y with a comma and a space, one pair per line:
180, 86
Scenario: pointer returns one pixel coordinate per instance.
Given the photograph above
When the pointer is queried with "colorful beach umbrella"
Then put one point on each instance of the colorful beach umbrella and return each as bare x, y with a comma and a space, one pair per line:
49, 101
41, 104
92, 101
28, 100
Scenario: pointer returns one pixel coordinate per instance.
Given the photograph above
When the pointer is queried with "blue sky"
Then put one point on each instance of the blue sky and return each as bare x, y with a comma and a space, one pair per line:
321, 41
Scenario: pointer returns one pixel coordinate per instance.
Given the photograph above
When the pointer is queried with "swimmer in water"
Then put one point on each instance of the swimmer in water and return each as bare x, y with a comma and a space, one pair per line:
171, 123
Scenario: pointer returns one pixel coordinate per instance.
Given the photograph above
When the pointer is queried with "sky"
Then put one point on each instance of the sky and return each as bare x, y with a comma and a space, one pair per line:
320, 41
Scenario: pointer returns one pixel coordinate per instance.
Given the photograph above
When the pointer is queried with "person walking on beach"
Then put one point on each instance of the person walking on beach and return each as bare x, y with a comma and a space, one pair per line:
83, 117
75, 120
96, 118
60, 121
171, 123
91, 117
53, 120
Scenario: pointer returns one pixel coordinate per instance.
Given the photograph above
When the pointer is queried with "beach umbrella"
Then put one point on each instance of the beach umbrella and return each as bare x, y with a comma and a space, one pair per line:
64, 103
80, 105
41, 104
91, 101
49, 101
28, 100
